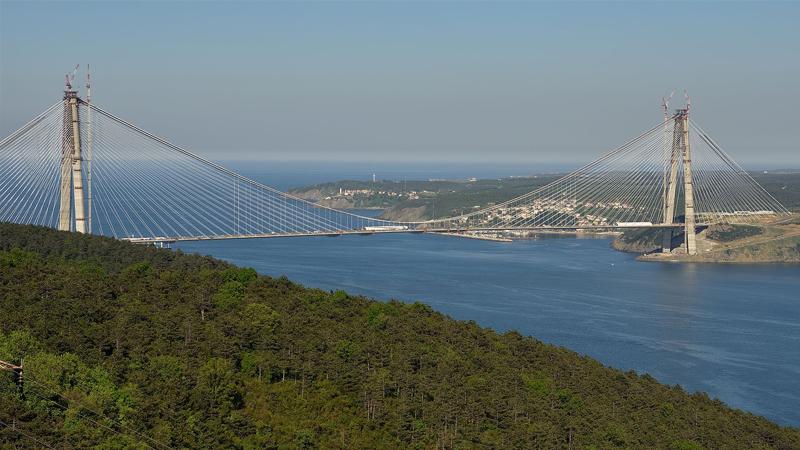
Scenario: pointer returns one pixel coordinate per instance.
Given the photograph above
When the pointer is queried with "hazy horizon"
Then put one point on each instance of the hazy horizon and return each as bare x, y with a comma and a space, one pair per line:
288, 174
472, 83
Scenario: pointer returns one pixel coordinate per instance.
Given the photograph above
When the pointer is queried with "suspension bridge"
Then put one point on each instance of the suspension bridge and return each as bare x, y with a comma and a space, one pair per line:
78, 167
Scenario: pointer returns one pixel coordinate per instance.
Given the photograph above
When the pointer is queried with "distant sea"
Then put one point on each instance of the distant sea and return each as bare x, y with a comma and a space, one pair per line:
285, 175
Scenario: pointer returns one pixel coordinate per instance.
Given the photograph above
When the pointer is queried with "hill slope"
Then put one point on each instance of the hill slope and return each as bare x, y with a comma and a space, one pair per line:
422, 200
723, 243
127, 346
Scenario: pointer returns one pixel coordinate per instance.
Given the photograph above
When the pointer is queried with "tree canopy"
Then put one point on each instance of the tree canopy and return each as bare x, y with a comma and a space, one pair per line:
127, 346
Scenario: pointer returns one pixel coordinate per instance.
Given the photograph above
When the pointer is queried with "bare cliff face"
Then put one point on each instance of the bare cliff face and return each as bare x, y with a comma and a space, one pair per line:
414, 214
338, 203
312, 195
316, 196
638, 241
397, 213
407, 214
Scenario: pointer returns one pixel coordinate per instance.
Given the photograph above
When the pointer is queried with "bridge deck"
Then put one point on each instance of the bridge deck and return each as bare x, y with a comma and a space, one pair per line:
169, 239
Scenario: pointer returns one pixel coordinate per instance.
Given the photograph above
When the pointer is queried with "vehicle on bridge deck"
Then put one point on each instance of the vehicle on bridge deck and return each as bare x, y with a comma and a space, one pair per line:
145, 239
386, 228
634, 224
748, 213
158, 241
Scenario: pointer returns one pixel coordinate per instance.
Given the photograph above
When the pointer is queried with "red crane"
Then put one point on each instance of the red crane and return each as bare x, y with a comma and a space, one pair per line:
70, 77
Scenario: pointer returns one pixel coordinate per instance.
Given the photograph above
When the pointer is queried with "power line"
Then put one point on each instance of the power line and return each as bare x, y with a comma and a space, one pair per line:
131, 431
31, 437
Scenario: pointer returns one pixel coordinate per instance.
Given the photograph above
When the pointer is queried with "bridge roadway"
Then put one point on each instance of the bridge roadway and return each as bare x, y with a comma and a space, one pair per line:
450, 231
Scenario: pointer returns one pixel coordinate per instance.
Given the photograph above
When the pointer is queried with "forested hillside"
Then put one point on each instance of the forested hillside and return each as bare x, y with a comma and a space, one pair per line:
132, 347
423, 200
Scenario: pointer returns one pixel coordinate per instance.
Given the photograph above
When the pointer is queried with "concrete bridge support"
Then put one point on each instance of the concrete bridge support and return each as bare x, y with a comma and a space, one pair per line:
680, 154
71, 191
690, 240
671, 187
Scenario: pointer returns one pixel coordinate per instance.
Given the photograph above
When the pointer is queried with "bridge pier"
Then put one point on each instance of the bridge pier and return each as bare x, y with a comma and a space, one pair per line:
666, 241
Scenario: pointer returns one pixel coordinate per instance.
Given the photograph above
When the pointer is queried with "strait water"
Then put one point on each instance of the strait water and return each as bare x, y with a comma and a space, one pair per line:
730, 330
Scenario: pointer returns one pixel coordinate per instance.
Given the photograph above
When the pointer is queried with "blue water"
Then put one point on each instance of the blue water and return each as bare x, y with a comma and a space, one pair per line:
730, 330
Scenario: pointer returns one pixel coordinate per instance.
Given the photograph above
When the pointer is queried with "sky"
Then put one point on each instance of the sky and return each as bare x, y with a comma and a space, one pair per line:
447, 82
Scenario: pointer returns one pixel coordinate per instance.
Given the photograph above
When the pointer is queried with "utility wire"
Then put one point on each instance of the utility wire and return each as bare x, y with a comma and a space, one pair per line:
29, 436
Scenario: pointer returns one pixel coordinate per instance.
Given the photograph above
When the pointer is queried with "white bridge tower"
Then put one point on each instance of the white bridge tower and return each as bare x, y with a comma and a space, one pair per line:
72, 204
681, 154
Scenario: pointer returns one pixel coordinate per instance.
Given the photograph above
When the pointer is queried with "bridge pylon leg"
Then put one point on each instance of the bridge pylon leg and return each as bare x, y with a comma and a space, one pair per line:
688, 190
71, 188
671, 184
65, 207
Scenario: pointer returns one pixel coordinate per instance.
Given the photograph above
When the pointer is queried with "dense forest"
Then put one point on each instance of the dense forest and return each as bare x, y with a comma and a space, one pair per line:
127, 346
